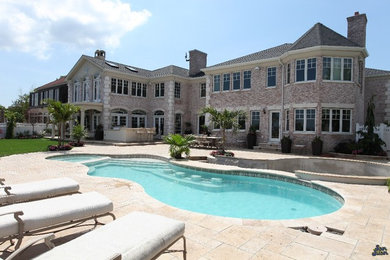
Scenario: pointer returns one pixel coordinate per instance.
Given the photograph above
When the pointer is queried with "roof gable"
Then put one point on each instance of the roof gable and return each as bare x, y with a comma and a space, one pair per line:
320, 35
54, 83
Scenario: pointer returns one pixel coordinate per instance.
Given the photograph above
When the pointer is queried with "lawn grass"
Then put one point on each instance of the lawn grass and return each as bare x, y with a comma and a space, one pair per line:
17, 146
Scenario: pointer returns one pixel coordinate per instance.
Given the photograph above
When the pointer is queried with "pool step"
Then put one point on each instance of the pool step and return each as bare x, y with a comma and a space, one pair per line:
268, 146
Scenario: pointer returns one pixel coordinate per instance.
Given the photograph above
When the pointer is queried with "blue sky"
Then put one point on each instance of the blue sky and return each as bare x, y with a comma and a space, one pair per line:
41, 40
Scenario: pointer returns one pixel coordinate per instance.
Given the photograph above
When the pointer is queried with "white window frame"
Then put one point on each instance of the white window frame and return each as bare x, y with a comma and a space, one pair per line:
139, 117
304, 120
252, 115
76, 92
287, 120
158, 90
84, 92
177, 90
342, 69
268, 75
219, 83
226, 78
236, 78
202, 89
247, 76
119, 115
305, 69
342, 112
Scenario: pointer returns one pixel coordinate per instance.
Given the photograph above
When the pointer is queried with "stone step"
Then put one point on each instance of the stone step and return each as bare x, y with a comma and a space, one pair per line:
268, 146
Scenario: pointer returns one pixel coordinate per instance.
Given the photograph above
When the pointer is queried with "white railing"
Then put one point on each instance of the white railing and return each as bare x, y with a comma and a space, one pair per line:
382, 130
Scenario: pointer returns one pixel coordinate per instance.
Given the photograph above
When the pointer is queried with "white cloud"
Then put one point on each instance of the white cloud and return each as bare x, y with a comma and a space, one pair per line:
35, 26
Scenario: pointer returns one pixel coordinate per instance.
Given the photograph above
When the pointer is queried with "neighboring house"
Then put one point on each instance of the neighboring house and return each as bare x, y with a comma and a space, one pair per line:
316, 86
56, 90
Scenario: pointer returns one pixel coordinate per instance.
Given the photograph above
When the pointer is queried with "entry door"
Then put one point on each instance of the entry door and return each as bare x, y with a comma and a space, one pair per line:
159, 125
274, 126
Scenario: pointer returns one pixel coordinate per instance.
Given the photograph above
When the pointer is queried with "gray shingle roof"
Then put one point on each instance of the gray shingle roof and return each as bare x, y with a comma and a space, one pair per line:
165, 71
320, 35
368, 72
261, 55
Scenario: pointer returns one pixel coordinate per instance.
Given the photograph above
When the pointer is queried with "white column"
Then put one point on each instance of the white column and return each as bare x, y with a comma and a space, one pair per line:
106, 103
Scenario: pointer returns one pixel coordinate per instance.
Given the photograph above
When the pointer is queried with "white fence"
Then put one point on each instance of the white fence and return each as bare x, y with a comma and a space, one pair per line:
382, 130
24, 128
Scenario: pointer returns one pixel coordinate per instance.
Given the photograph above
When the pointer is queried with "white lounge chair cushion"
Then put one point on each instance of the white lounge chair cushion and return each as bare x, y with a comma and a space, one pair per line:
53, 211
39, 190
137, 235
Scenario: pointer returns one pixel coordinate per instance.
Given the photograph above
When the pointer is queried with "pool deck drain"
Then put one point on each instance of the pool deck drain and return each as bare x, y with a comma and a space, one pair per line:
365, 217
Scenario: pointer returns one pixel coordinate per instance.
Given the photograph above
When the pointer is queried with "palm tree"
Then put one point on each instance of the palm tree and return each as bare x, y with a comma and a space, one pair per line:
225, 120
179, 144
61, 113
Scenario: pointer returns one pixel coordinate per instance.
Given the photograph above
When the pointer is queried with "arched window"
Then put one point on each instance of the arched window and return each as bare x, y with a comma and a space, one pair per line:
118, 117
138, 119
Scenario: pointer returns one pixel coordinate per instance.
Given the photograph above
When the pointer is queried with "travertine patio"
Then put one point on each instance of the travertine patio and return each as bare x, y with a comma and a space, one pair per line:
365, 217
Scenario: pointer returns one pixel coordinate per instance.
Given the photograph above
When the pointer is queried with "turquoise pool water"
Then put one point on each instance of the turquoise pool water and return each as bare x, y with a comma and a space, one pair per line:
219, 194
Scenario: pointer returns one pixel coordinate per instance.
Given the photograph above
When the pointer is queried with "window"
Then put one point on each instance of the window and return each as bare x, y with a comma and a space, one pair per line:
96, 90
159, 90
133, 88
287, 120
247, 79
203, 90
305, 120
288, 73
337, 69
119, 86
255, 119
236, 80
217, 83
36, 99
336, 120
138, 119
241, 122
125, 87
305, 70
118, 118
113, 85
226, 82
75, 92
139, 89
177, 123
144, 86
271, 77
83, 92
177, 90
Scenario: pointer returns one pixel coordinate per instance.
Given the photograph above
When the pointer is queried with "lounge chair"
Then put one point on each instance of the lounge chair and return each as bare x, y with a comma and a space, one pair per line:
29, 218
137, 235
29, 191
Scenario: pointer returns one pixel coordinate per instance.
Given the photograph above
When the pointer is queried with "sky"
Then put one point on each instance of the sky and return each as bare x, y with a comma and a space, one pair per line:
41, 40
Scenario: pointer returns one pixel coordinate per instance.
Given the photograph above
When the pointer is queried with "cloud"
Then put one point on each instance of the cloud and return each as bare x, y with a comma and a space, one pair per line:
36, 26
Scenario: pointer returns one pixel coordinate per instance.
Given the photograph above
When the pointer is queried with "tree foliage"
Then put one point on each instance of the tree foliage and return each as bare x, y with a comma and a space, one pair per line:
20, 108
61, 113
179, 144
225, 120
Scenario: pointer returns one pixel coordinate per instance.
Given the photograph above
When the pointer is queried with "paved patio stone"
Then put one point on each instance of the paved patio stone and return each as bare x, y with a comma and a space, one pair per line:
365, 217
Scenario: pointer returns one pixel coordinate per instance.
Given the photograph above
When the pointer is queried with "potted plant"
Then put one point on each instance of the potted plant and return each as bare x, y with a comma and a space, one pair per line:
78, 132
205, 130
251, 138
179, 144
286, 143
316, 146
187, 129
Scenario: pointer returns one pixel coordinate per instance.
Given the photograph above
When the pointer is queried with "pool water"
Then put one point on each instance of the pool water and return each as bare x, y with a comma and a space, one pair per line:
219, 194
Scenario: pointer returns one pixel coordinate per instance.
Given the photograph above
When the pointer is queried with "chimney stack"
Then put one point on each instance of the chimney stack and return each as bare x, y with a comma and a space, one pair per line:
100, 54
357, 29
198, 61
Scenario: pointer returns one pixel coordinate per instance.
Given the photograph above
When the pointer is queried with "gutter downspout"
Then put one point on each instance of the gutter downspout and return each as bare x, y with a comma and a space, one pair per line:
282, 105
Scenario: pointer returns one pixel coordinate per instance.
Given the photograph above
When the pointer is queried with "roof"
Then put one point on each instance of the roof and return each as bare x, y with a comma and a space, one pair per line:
368, 72
131, 70
261, 55
320, 35
55, 83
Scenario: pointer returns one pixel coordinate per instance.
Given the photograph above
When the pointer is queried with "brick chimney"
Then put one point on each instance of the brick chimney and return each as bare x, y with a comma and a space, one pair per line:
357, 29
198, 61
100, 54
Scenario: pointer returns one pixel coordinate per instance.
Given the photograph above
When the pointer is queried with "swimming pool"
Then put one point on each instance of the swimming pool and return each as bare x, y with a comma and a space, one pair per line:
219, 194
77, 158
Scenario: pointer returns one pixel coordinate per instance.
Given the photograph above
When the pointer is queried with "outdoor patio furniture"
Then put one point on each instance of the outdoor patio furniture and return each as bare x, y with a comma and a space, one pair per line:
34, 217
138, 235
29, 191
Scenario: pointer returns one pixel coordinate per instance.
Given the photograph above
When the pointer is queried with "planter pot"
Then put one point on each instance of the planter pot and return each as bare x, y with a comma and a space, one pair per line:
251, 140
286, 146
316, 148
99, 135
